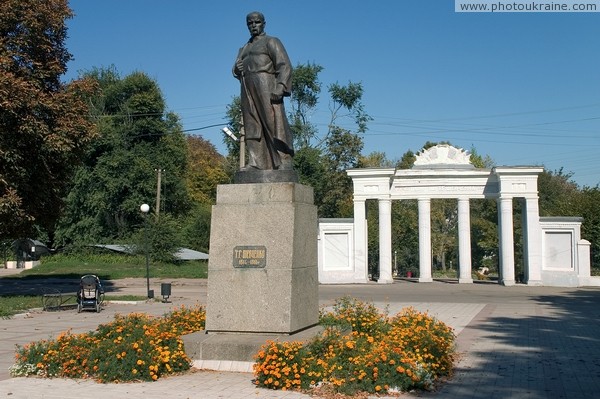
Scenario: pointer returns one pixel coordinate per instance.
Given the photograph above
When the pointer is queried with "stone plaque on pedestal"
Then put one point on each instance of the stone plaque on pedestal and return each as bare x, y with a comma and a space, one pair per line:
262, 269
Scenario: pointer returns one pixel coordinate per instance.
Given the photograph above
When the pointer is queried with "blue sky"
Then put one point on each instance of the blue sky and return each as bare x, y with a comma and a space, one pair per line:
523, 88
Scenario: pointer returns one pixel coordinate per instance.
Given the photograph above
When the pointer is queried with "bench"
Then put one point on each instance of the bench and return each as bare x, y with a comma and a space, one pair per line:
53, 299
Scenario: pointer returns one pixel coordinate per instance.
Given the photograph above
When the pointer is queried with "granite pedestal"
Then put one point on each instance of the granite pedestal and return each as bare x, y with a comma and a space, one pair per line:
262, 270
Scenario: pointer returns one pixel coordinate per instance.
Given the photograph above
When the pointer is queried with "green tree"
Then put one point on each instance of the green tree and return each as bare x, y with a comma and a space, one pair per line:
558, 194
234, 115
405, 236
484, 234
305, 96
343, 148
44, 124
308, 159
342, 152
195, 227
375, 159
348, 99
308, 163
136, 139
407, 160
589, 207
206, 170
444, 223
162, 235
482, 162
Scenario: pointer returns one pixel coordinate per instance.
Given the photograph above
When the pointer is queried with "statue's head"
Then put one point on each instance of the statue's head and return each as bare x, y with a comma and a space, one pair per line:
256, 23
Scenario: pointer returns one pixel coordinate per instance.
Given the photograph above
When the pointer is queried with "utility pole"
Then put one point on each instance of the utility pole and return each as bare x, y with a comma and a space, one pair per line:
241, 139
242, 145
158, 190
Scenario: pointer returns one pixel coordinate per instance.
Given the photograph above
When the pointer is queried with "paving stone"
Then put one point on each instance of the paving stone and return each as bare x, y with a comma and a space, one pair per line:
515, 342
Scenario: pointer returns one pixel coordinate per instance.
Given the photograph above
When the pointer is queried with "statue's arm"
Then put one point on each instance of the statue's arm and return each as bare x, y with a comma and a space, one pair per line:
283, 67
238, 66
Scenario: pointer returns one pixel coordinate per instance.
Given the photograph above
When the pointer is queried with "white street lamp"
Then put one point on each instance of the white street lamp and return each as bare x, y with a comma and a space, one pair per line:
229, 133
242, 141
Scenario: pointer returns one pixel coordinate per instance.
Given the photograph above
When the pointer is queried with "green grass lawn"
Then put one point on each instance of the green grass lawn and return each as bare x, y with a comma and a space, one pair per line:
111, 267
11, 305
105, 266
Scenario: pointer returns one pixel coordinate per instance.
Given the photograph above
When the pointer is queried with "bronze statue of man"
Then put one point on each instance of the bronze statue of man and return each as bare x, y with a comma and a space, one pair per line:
265, 75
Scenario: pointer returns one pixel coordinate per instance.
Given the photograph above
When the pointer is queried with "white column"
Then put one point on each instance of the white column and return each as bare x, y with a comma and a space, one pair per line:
584, 262
464, 241
385, 241
361, 271
532, 241
425, 240
507, 252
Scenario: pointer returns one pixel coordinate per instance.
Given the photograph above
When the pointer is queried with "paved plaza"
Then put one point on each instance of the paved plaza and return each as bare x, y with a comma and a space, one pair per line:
515, 342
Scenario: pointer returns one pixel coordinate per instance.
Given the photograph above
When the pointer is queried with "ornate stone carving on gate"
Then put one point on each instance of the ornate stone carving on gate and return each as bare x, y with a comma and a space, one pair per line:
443, 154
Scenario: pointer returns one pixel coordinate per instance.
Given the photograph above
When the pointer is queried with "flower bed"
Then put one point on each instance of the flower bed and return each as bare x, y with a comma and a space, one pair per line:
361, 350
136, 347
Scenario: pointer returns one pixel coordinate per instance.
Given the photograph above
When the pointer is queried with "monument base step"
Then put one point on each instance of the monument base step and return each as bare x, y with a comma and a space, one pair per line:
223, 365
234, 351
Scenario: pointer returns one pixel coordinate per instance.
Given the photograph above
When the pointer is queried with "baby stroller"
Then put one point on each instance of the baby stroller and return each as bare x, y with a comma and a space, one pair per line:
90, 294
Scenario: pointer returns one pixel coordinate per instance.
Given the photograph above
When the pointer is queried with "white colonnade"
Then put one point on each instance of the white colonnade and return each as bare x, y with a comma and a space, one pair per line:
445, 172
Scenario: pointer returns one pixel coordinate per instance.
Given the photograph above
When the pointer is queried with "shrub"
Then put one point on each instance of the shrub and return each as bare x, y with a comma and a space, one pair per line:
130, 348
361, 350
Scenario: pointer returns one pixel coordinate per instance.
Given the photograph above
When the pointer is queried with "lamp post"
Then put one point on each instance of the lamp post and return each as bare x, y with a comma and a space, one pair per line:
145, 208
158, 189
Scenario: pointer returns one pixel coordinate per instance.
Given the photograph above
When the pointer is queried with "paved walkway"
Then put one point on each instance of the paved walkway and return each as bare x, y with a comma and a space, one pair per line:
516, 342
